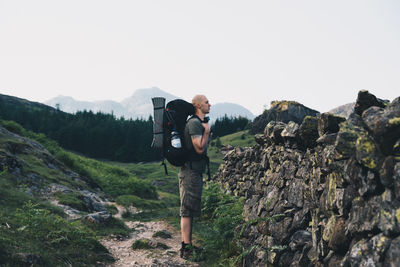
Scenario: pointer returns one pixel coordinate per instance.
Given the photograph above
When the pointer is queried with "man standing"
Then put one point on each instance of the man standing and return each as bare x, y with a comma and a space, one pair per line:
196, 136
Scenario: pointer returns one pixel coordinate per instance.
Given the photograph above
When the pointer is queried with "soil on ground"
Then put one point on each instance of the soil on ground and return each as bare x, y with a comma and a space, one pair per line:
121, 248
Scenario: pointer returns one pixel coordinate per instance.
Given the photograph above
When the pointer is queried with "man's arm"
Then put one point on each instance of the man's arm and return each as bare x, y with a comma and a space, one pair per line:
200, 142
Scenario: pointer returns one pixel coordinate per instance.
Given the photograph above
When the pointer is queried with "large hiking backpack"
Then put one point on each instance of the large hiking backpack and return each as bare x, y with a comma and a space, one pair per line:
175, 116
169, 123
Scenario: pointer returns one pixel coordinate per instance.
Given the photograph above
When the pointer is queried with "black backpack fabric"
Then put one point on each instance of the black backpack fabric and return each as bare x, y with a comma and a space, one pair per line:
175, 116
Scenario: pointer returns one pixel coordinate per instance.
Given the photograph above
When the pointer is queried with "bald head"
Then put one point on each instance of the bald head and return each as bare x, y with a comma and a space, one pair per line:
201, 105
198, 99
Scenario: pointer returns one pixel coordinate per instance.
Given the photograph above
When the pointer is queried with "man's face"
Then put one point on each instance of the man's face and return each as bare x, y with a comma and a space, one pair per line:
205, 106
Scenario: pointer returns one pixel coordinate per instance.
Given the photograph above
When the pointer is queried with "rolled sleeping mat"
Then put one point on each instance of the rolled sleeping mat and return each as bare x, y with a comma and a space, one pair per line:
159, 106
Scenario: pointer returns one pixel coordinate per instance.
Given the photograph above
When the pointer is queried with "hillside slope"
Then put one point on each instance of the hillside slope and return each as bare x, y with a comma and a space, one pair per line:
33, 231
53, 203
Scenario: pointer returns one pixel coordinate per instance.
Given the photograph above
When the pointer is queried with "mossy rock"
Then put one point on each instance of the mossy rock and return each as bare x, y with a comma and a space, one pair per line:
283, 104
366, 152
346, 140
394, 121
396, 148
143, 243
162, 245
308, 131
163, 234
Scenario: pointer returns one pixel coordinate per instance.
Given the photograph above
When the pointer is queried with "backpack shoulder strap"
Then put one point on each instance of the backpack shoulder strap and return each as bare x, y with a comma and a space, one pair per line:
193, 152
195, 117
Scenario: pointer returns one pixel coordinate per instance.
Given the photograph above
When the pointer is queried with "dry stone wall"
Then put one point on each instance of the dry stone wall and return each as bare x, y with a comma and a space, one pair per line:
322, 193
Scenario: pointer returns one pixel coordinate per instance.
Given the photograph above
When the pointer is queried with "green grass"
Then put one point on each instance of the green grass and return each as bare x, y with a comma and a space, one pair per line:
114, 226
215, 229
242, 139
72, 199
113, 180
28, 225
31, 225
154, 173
145, 186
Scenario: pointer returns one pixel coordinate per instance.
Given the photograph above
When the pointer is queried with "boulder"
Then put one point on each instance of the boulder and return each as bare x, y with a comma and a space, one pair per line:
366, 100
328, 123
282, 111
308, 132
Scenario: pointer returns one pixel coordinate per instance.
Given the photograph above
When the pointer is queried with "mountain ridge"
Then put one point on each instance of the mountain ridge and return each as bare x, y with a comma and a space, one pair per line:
139, 105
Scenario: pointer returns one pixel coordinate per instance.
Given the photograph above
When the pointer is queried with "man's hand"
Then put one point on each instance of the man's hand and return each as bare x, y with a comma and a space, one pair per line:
200, 142
207, 128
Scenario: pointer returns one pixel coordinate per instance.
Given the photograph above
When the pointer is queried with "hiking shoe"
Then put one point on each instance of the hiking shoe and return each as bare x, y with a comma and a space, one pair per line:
191, 253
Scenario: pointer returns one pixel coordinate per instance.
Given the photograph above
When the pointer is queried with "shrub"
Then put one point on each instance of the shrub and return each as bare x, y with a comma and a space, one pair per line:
13, 127
54, 239
73, 199
222, 214
111, 209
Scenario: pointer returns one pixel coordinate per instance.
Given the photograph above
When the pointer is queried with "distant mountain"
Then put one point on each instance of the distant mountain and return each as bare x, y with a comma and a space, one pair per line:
344, 110
219, 110
70, 105
139, 105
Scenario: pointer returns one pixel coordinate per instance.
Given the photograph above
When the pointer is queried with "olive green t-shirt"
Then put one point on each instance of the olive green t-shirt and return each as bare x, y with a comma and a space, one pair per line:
194, 127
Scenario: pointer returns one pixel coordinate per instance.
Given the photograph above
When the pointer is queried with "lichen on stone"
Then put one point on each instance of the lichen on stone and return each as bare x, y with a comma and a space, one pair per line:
394, 122
328, 230
366, 151
398, 215
283, 104
331, 191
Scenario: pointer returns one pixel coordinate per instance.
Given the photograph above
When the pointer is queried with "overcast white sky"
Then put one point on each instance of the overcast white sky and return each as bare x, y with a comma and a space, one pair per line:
320, 53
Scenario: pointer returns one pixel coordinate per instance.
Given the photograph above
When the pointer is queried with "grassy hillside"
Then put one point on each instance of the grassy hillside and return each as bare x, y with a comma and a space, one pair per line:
33, 229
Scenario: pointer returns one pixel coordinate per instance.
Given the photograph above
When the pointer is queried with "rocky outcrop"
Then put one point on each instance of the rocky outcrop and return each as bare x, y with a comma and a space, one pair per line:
283, 111
325, 192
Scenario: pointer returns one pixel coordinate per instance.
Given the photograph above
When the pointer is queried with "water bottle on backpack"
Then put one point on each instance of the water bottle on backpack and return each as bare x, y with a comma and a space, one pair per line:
175, 139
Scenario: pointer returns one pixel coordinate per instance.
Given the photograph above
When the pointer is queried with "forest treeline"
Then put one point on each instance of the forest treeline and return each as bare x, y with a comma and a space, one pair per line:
96, 135
227, 125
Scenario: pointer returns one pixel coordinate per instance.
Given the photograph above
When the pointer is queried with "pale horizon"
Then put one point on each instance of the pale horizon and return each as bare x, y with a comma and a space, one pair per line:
319, 54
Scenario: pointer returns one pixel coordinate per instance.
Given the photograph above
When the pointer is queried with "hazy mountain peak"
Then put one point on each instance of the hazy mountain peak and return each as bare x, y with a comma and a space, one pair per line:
139, 105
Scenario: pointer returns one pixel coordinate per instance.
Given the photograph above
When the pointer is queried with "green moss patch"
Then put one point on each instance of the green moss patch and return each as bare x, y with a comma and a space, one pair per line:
163, 234
143, 244
73, 199
366, 152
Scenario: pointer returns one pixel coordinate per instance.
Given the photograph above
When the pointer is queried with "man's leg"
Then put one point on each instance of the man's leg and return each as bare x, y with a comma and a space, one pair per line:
186, 229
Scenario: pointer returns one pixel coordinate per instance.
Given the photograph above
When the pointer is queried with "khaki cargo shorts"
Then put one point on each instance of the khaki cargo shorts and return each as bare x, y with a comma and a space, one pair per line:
190, 188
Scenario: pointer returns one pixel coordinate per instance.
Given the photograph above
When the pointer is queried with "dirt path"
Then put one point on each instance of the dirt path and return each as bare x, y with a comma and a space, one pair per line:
125, 256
